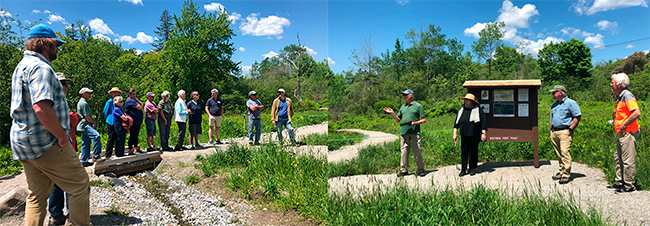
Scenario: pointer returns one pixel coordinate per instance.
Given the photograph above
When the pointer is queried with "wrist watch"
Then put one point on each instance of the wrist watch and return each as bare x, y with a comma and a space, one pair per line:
570, 130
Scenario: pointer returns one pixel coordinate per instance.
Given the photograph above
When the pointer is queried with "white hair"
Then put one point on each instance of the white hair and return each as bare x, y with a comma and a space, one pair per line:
181, 92
214, 91
165, 93
621, 79
117, 99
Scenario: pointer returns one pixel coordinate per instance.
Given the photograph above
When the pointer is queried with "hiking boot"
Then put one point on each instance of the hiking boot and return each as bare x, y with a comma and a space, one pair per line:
565, 180
556, 176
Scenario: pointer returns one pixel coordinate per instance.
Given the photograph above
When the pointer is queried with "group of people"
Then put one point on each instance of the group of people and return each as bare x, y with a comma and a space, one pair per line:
564, 118
281, 113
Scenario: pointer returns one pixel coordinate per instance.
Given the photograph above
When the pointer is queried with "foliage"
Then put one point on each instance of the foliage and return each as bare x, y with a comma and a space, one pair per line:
8, 165
163, 31
489, 42
567, 63
634, 63
115, 211
478, 206
288, 180
192, 179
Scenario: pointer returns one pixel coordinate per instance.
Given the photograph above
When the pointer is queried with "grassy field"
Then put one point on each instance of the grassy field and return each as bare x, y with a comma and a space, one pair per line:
273, 173
478, 206
593, 144
338, 139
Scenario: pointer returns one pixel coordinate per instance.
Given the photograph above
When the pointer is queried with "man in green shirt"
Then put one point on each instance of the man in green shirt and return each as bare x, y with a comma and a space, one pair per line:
87, 127
411, 115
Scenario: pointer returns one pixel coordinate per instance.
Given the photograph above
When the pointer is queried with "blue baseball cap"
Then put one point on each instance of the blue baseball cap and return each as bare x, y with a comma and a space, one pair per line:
43, 31
408, 91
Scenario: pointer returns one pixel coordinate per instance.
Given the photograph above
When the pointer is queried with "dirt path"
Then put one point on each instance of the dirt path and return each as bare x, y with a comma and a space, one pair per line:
351, 151
177, 166
588, 186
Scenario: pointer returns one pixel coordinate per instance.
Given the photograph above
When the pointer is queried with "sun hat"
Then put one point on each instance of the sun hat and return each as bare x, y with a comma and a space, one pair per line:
85, 90
62, 77
43, 31
115, 89
469, 96
557, 88
408, 91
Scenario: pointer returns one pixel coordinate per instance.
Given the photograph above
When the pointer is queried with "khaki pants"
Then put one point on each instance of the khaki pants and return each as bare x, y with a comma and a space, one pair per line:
561, 140
624, 156
409, 141
61, 166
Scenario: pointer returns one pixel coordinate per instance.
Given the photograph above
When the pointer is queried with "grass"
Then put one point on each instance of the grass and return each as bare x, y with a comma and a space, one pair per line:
478, 206
273, 173
115, 211
314, 139
593, 144
192, 179
338, 139
102, 184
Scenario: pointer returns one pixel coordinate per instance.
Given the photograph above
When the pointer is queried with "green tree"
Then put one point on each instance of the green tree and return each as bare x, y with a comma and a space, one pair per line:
489, 41
163, 31
566, 62
199, 51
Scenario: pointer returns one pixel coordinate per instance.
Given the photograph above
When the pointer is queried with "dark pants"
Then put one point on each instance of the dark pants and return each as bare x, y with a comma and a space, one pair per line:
469, 149
164, 132
56, 203
112, 140
181, 134
135, 131
121, 138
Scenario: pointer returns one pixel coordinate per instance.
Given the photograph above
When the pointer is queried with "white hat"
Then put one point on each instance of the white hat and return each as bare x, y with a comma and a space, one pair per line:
281, 91
85, 90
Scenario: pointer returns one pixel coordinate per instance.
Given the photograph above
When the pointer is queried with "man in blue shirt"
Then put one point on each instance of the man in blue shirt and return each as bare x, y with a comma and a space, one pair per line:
254, 107
565, 116
281, 113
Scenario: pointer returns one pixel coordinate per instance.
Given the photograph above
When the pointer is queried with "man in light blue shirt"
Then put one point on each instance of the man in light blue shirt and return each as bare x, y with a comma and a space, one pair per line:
565, 116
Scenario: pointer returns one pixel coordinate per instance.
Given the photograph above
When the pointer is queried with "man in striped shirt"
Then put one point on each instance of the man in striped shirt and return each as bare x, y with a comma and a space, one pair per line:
40, 130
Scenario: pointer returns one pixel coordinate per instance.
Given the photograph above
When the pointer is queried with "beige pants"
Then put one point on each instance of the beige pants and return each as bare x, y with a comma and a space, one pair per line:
61, 166
624, 156
561, 140
409, 141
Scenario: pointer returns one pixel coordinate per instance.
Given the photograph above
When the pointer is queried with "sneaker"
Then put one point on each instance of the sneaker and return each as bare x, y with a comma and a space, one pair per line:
210, 142
615, 186
556, 176
565, 180
623, 189
198, 146
60, 221
462, 173
401, 174
192, 148
218, 142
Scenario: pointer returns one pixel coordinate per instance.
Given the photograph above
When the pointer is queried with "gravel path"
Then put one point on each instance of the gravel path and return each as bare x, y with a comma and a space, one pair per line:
351, 151
154, 198
588, 186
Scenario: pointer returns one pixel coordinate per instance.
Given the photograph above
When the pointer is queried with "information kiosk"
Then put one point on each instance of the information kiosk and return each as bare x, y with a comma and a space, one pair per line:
510, 107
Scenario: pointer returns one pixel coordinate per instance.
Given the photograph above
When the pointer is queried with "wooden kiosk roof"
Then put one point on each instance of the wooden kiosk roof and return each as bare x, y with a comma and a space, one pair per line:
502, 83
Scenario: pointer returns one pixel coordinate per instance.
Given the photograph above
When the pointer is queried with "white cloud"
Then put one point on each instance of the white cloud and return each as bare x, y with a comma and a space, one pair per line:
141, 37
629, 46
581, 7
271, 54
234, 17
607, 26
46, 11
533, 47
138, 52
573, 32
246, 69
214, 7
242, 49
540, 35
402, 2
330, 61
56, 18
474, 30
310, 51
99, 26
268, 26
134, 2
4, 13
102, 37
36, 11
516, 17
647, 51
596, 41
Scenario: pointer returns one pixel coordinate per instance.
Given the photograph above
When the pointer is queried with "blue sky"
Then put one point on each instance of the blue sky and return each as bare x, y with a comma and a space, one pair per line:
262, 28
331, 30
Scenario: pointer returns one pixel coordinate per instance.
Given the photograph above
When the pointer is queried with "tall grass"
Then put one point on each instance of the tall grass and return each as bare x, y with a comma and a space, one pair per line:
593, 144
338, 139
274, 173
478, 206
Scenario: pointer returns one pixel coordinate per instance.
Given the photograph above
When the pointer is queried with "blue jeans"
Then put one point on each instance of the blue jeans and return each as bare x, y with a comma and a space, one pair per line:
257, 123
286, 124
56, 203
121, 138
89, 134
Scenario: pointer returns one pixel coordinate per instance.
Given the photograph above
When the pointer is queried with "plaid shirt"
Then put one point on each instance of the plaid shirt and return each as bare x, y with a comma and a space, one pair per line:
34, 81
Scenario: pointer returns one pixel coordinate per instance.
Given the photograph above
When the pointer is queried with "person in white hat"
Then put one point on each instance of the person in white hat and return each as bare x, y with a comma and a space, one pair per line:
87, 126
108, 115
254, 107
281, 113
473, 128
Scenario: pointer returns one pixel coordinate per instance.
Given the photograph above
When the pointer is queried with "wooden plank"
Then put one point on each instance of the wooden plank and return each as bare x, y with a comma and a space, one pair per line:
502, 83
127, 164
127, 158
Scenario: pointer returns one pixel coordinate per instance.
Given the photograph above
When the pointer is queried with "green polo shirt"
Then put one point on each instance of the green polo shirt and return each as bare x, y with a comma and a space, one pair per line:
83, 109
410, 113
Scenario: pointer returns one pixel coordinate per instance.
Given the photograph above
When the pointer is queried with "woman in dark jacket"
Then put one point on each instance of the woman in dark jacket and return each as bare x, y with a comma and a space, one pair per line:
472, 124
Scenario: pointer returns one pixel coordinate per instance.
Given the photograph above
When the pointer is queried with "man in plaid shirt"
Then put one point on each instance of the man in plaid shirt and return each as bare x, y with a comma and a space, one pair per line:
40, 131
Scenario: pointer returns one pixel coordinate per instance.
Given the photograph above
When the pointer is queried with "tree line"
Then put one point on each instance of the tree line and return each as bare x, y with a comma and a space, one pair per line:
193, 52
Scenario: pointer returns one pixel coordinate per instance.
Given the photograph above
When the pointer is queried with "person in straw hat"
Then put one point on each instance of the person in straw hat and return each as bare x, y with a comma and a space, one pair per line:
108, 115
473, 128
